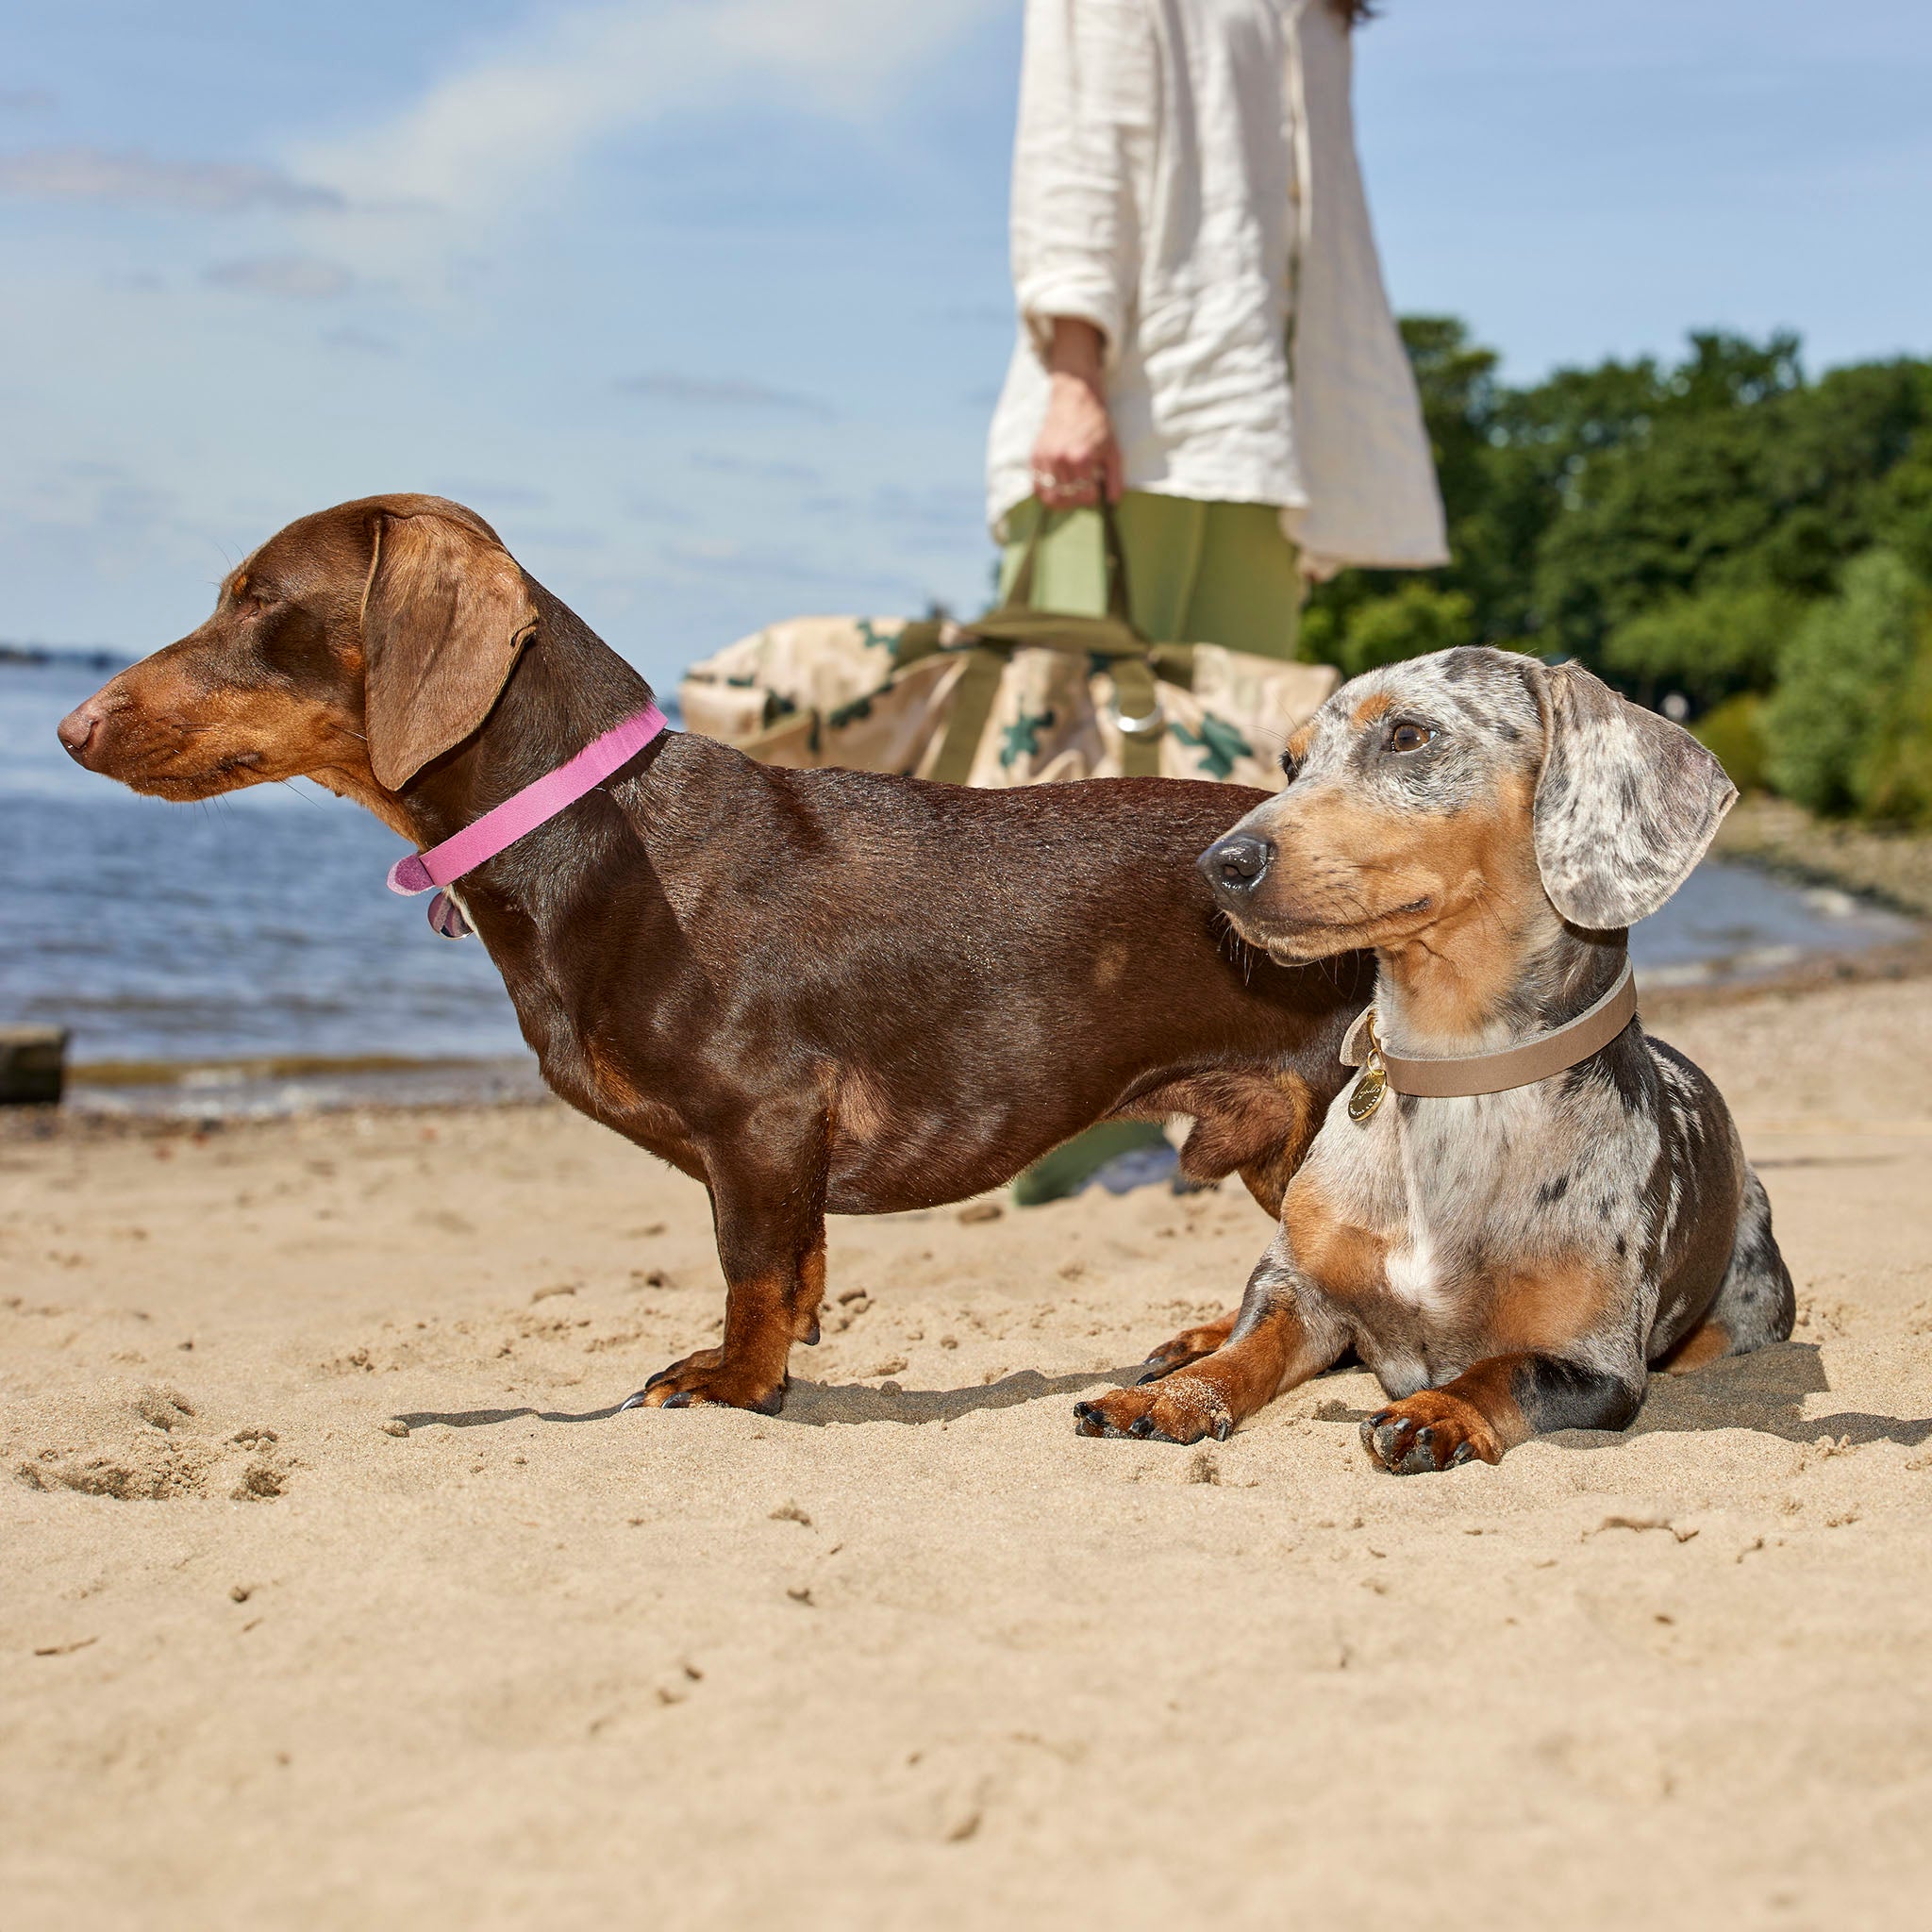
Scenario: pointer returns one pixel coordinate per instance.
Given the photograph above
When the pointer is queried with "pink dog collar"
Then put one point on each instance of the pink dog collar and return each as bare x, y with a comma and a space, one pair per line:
522, 812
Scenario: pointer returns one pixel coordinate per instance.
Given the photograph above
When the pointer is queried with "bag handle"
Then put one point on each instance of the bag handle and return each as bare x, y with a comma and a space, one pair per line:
1020, 597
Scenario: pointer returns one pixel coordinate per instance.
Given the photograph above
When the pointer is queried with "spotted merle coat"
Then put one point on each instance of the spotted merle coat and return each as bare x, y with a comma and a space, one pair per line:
1506, 1263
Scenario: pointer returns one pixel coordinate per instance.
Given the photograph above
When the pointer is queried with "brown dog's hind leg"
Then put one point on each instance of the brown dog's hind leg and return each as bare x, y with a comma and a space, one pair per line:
1492, 1406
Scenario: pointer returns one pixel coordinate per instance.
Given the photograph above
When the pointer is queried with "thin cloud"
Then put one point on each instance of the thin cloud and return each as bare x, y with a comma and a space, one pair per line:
975, 314
355, 341
719, 392
288, 277
25, 100
489, 133
936, 506
721, 464
139, 180
575, 537
655, 509
476, 489
724, 557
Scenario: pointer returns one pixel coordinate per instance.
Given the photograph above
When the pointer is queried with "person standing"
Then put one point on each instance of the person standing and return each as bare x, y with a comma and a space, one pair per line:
1204, 336
1204, 341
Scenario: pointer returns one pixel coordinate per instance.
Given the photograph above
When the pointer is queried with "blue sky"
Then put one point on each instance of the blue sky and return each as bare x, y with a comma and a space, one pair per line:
704, 302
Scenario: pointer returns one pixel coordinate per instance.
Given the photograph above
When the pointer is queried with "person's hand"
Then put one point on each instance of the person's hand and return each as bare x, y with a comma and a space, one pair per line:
1075, 457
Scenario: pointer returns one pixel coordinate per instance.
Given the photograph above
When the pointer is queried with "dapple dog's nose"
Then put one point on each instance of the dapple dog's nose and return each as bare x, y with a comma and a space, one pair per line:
1237, 864
77, 729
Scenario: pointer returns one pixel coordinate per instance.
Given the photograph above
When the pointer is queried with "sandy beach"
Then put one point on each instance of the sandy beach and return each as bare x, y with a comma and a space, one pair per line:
337, 1597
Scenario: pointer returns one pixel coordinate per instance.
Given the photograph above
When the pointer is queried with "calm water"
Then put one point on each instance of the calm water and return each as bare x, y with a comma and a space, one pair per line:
252, 924
258, 925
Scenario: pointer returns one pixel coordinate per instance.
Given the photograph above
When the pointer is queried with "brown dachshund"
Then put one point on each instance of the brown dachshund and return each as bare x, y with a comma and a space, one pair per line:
815, 992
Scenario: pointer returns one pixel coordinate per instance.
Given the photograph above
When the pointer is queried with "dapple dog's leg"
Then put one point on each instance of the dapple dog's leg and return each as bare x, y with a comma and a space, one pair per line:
1286, 1332
1190, 1346
1494, 1405
1755, 1303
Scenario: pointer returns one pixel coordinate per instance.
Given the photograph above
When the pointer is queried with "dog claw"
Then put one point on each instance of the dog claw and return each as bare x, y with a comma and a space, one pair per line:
681, 1399
1465, 1452
636, 1401
1223, 1428
1142, 1425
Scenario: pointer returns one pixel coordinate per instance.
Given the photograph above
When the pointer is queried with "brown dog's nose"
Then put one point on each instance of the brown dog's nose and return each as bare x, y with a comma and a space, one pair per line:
78, 728
1234, 866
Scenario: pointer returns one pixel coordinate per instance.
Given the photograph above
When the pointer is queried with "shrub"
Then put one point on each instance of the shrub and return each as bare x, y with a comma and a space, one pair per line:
1735, 732
1409, 622
1841, 681
1895, 780
1708, 645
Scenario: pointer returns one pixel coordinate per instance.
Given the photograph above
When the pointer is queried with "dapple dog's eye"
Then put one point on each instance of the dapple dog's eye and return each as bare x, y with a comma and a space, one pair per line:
1410, 737
1291, 768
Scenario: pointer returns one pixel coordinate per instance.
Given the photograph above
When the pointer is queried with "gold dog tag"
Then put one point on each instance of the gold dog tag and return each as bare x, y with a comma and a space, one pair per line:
1367, 1092
1373, 1084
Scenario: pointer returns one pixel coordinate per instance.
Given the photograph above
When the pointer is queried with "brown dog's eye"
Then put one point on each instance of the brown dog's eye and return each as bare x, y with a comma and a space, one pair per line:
1410, 737
1291, 768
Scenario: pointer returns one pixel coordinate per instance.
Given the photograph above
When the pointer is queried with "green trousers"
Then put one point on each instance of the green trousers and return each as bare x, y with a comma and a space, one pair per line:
1197, 573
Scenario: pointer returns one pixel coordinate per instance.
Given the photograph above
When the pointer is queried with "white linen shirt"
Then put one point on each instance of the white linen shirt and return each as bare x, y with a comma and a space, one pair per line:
1185, 178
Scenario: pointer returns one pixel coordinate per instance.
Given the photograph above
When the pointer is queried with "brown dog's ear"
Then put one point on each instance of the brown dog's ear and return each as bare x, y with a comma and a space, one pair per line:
444, 613
1626, 804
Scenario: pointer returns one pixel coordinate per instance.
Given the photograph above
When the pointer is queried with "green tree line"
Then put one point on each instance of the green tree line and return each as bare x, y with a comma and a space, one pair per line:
1728, 529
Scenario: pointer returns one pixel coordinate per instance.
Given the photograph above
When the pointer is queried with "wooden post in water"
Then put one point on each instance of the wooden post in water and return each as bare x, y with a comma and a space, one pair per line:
33, 1065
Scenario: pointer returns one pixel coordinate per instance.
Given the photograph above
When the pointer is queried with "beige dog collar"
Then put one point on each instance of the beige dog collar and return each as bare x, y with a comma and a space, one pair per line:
1539, 1058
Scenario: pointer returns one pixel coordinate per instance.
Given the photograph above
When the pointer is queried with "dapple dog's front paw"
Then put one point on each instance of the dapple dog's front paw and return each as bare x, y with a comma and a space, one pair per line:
1182, 1410
708, 1378
1429, 1431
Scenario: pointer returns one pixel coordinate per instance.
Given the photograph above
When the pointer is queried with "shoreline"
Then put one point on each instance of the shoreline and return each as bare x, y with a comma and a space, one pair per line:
207, 1089
1879, 872
1889, 869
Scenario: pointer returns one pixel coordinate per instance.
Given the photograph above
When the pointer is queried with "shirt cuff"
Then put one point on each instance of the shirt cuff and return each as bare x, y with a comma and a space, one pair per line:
1089, 296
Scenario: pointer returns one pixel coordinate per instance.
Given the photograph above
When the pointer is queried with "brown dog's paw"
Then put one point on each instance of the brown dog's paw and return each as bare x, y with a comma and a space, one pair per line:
1428, 1431
705, 1378
1182, 1410
1190, 1346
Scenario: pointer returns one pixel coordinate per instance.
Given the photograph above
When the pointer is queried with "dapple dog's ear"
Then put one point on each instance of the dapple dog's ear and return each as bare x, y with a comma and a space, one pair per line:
1626, 804
444, 613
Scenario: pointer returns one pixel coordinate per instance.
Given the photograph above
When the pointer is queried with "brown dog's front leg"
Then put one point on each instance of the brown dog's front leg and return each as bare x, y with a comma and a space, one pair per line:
775, 1271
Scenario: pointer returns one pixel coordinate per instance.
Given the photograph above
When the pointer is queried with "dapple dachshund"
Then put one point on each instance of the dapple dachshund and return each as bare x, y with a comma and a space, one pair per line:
1524, 1204
816, 992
